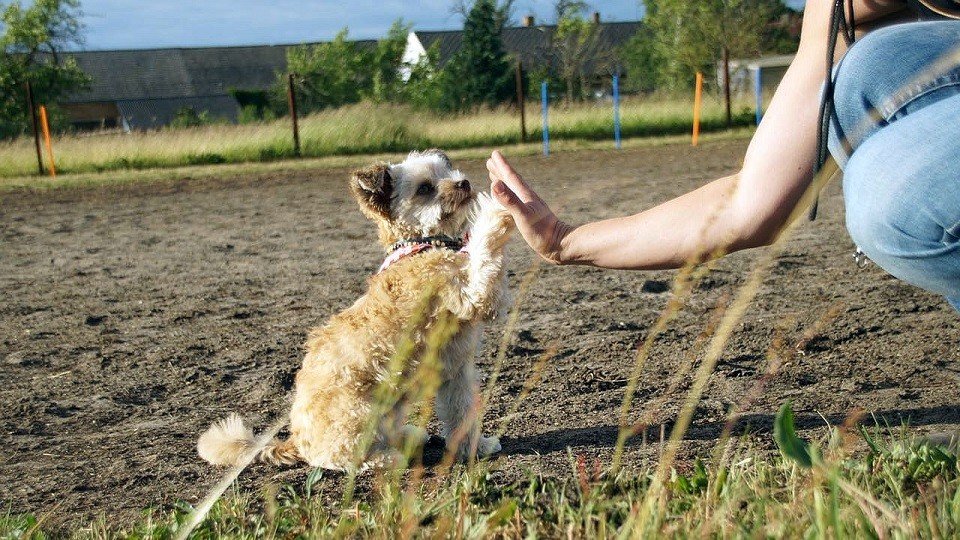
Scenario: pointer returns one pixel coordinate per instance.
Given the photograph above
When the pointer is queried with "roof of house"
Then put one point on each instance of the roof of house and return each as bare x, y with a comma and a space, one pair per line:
530, 44
146, 74
776, 61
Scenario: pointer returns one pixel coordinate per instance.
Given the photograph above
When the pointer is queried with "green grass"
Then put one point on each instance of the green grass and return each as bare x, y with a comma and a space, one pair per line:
200, 173
894, 490
358, 129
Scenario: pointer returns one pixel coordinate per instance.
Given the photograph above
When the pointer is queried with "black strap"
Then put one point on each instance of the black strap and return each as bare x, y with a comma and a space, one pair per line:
439, 241
838, 25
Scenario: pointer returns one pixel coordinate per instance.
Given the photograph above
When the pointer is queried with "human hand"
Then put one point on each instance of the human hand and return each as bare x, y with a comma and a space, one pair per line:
536, 222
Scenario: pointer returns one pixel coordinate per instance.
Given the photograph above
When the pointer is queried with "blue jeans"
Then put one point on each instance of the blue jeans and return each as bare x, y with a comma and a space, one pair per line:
896, 134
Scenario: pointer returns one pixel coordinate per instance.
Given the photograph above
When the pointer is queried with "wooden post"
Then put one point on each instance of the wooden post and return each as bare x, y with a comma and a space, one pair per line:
521, 102
697, 97
616, 110
36, 130
46, 138
726, 83
292, 103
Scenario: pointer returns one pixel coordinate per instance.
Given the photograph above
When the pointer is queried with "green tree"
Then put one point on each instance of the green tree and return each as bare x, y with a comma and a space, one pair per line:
341, 72
576, 48
782, 33
386, 84
690, 36
564, 9
479, 73
641, 62
328, 74
425, 86
32, 43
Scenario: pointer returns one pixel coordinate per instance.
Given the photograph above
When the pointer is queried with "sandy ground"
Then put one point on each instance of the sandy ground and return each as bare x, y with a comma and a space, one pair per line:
133, 317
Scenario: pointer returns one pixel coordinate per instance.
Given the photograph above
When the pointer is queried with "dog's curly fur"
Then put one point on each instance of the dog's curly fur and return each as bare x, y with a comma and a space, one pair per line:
348, 358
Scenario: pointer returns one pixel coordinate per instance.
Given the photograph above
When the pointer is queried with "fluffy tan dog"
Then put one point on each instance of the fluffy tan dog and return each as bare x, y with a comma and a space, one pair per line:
421, 206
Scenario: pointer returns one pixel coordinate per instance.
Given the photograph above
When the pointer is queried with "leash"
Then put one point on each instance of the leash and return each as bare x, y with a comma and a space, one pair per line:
838, 25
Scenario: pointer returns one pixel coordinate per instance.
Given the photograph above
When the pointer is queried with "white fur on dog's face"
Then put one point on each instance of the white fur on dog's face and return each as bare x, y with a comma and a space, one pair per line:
429, 195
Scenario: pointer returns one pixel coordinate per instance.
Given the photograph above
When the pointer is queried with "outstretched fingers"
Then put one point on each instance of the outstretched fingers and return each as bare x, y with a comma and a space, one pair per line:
501, 170
508, 198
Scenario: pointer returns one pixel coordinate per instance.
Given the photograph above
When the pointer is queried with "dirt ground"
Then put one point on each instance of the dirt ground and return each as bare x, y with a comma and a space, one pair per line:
133, 317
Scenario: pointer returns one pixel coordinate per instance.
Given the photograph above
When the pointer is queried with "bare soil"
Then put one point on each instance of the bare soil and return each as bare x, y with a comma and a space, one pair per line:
133, 317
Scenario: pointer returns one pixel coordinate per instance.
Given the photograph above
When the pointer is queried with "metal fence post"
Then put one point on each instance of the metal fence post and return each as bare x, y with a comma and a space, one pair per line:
616, 110
36, 130
546, 128
758, 92
292, 103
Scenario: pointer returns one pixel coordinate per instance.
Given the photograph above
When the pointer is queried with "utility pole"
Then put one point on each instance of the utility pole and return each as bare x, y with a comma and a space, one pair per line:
292, 103
36, 130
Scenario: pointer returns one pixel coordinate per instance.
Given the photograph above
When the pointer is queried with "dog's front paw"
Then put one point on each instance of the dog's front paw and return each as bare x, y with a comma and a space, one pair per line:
492, 223
491, 210
487, 204
485, 447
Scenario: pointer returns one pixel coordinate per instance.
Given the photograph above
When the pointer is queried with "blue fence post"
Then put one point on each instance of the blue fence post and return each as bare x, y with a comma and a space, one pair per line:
616, 110
758, 92
543, 107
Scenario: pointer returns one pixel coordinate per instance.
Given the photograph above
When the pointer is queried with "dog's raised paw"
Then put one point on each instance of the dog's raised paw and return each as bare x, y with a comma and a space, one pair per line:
486, 204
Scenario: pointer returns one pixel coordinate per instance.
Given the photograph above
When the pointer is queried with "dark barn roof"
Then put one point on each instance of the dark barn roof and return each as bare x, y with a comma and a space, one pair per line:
530, 44
150, 85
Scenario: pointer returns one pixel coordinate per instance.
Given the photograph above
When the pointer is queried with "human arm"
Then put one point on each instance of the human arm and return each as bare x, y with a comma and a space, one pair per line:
744, 210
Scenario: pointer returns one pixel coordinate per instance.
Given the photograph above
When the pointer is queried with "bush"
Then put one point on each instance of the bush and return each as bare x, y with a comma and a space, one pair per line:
189, 117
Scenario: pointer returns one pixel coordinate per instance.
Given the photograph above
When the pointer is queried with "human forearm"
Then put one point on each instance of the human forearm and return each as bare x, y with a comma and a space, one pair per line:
692, 226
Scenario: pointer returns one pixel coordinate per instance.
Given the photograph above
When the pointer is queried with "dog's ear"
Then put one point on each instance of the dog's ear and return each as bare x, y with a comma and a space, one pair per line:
372, 187
439, 153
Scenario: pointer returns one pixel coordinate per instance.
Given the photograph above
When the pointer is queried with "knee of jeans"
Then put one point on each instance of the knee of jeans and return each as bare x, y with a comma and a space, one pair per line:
878, 221
880, 65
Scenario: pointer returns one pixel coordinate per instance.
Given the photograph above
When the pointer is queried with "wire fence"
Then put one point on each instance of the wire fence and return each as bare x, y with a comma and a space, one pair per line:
365, 128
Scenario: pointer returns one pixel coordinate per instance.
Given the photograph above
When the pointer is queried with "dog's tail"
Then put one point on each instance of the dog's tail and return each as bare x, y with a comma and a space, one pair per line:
229, 441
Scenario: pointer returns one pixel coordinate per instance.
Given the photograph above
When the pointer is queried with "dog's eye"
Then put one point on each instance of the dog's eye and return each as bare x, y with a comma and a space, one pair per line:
425, 188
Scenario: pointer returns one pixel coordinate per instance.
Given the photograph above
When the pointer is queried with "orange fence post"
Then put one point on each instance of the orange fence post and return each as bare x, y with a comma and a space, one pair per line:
697, 98
46, 138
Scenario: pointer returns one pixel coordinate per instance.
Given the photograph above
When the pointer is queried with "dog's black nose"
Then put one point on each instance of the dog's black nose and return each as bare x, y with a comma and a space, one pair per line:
464, 185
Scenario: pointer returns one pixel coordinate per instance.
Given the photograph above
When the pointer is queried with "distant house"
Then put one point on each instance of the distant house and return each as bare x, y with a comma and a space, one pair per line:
744, 73
144, 89
530, 43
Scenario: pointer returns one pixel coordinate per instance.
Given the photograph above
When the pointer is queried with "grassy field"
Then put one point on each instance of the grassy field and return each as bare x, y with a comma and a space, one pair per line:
201, 172
359, 129
897, 489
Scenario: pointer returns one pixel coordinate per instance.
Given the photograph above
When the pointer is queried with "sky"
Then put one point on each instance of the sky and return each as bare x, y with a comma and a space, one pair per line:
139, 24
